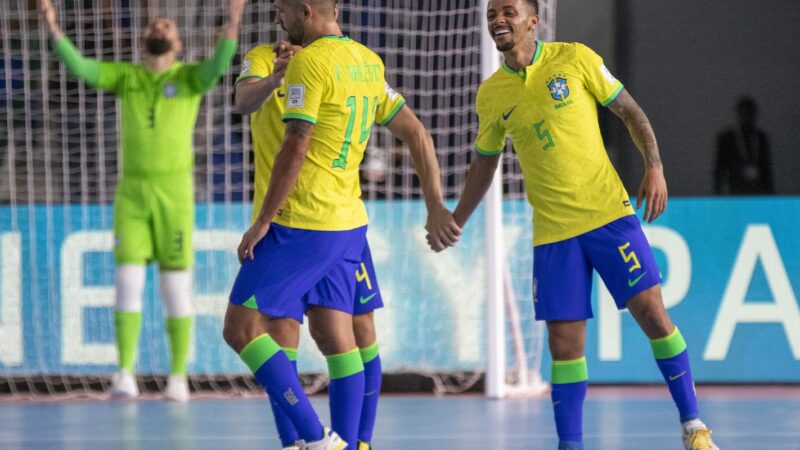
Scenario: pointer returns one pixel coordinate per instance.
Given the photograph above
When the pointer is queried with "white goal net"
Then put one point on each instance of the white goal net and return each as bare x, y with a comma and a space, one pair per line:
59, 161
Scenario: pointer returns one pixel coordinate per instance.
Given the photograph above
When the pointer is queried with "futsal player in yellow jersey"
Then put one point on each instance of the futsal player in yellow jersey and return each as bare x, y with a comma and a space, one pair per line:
310, 235
545, 98
260, 92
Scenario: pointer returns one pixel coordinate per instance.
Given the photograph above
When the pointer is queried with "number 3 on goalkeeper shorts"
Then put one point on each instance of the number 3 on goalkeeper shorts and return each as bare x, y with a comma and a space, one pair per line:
366, 126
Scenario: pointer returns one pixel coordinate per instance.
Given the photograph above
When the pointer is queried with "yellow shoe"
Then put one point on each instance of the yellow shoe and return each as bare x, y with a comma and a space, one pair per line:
698, 437
364, 446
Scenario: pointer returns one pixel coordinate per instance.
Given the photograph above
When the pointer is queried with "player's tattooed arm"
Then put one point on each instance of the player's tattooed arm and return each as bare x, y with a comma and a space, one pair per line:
285, 172
653, 187
626, 108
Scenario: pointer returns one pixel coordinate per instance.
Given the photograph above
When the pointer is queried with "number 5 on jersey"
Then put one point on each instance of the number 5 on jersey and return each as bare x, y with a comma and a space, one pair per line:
367, 117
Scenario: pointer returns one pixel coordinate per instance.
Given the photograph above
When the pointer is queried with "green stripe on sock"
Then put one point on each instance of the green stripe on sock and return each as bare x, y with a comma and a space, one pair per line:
344, 364
259, 351
668, 346
179, 330
369, 353
571, 371
291, 353
251, 303
128, 325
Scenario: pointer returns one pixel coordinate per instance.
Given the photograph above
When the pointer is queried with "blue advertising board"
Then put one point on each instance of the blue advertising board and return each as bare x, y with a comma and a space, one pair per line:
731, 269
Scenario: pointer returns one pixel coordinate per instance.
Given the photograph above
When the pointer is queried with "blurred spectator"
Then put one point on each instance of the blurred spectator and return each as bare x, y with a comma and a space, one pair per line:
744, 165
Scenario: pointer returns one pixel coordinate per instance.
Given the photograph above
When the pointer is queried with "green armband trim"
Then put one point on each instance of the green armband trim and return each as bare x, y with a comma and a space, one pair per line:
369, 353
259, 351
83, 68
613, 95
344, 364
669, 346
483, 151
298, 116
394, 112
572, 371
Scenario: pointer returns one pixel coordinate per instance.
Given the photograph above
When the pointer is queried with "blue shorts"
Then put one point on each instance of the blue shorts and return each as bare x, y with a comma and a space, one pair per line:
562, 271
297, 269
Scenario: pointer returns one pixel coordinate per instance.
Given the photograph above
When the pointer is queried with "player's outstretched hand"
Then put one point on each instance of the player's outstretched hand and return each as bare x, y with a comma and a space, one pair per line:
654, 190
236, 9
442, 229
252, 237
47, 12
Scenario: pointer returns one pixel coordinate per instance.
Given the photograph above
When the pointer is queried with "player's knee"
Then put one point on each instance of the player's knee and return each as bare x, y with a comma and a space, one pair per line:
236, 336
364, 329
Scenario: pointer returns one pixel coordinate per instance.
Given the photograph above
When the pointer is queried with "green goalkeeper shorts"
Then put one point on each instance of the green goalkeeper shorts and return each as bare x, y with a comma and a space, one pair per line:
153, 221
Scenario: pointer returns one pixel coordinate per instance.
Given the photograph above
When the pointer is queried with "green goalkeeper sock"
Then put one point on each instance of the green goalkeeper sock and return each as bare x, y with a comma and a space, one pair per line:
179, 330
128, 325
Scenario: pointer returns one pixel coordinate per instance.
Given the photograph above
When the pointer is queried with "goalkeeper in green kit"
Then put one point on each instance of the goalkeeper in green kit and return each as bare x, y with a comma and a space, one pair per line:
154, 202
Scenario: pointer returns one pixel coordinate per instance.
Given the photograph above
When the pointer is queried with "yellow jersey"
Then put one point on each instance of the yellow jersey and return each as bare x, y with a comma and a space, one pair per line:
549, 110
267, 129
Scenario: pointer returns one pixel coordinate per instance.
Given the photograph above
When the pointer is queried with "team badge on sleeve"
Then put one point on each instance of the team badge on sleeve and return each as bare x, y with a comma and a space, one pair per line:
390, 92
245, 67
607, 73
297, 95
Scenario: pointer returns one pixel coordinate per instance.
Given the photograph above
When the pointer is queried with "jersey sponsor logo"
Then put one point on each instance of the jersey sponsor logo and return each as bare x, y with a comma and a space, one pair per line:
607, 73
281, 94
363, 300
170, 90
635, 281
245, 67
673, 378
297, 96
626, 203
507, 114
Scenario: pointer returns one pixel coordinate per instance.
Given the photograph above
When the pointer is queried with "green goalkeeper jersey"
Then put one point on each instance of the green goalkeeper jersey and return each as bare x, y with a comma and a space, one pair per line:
159, 110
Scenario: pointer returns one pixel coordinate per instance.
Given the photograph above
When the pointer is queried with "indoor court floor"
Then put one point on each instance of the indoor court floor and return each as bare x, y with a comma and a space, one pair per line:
618, 418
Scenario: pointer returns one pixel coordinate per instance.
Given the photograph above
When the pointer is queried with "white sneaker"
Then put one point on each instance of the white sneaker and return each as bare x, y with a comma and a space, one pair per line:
177, 389
291, 447
123, 385
330, 441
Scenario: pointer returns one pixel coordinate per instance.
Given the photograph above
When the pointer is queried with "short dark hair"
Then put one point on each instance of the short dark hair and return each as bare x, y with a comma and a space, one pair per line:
747, 104
534, 4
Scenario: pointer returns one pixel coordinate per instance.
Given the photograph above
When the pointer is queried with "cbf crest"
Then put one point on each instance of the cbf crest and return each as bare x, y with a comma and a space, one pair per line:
559, 89
170, 90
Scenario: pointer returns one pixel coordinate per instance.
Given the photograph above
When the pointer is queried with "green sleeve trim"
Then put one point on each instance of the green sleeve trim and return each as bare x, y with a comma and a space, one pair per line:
211, 69
394, 112
291, 353
343, 365
483, 151
369, 353
298, 116
79, 66
613, 95
572, 371
259, 351
249, 76
251, 303
669, 346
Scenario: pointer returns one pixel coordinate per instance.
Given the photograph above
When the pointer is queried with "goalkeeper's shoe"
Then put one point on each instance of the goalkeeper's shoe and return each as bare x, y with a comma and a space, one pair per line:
123, 385
364, 445
292, 447
177, 389
330, 441
570, 445
696, 436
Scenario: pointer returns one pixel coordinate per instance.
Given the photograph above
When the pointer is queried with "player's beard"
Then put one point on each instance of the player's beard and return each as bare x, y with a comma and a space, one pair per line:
505, 47
296, 38
157, 46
